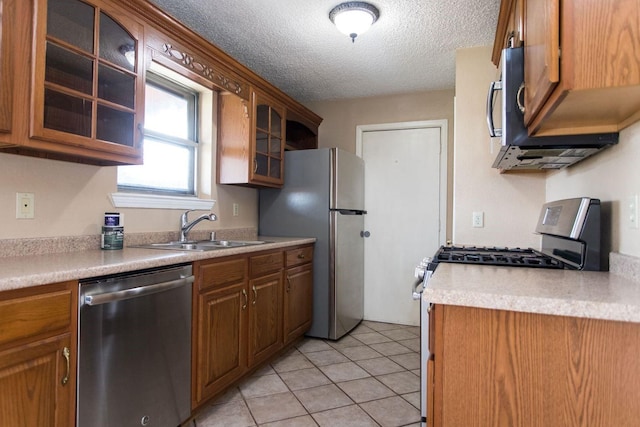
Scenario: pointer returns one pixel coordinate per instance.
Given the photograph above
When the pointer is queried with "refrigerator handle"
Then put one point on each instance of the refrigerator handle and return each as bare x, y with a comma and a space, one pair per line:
349, 211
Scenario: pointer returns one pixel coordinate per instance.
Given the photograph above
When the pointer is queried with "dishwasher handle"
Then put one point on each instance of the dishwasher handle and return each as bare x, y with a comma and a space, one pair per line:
140, 291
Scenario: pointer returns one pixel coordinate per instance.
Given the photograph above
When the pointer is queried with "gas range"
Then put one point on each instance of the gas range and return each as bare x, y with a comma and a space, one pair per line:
512, 257
570, 231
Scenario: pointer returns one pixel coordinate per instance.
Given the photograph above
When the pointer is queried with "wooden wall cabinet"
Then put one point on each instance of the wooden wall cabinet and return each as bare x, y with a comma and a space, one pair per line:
298, 292
302, 132
509, 29
495, 367
251, 141
582, 65
38, 355
7, 31
239, 321
82, 64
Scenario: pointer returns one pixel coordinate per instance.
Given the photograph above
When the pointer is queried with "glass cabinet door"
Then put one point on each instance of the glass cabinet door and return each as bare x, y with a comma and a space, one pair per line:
269, 141
89, 85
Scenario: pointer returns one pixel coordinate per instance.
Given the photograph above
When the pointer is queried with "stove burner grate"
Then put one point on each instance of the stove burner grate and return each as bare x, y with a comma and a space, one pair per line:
515, 257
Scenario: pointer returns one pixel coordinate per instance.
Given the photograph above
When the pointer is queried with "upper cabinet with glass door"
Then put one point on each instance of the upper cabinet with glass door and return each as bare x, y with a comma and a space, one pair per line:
251, 141
88, 84
269, 141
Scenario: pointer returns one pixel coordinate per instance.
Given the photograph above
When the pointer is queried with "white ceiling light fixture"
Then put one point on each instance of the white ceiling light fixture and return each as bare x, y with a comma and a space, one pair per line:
354, 17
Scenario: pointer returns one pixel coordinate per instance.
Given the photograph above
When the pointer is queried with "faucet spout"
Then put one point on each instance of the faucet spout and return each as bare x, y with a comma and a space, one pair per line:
186, 226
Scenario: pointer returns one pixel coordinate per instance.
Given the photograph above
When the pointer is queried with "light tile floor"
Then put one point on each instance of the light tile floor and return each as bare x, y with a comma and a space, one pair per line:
370, 377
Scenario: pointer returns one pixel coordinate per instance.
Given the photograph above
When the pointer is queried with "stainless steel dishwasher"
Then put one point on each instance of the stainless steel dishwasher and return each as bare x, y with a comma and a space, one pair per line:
134, 349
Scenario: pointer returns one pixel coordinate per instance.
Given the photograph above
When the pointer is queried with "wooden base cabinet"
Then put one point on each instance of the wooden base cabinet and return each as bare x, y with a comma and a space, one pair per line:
504, 368
298, 292
240, 320
38, 356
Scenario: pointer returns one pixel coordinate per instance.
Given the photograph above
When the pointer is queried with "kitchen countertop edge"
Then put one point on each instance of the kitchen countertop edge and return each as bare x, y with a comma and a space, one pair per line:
33, 270
586, 294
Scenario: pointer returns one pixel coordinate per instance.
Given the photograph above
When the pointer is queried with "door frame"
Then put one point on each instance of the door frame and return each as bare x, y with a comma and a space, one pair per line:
442, 184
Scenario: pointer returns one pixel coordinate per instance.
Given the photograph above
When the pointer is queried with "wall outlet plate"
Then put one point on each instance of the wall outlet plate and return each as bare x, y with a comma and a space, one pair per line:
25, 208
633, 211
478, 219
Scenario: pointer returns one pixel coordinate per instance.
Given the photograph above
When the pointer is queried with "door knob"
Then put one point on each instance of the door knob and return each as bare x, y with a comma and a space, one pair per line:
365, 234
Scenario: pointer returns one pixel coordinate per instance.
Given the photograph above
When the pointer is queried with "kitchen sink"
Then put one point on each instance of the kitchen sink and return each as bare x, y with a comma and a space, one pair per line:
201, 245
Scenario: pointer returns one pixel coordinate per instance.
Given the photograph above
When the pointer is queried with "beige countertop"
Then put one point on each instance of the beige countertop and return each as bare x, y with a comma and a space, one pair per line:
31, 270
590, 294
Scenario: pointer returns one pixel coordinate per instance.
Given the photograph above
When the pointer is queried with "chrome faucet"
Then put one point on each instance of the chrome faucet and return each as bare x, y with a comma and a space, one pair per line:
186, 226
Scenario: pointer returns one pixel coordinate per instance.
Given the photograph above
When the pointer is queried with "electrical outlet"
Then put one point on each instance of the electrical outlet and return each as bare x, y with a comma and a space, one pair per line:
633, 211
236, 208
478, 219
25, 205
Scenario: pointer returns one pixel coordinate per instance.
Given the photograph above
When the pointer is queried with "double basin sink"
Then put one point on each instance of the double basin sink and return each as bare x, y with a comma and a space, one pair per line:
202, 245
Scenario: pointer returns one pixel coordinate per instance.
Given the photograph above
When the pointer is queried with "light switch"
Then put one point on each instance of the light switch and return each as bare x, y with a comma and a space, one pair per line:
25, 208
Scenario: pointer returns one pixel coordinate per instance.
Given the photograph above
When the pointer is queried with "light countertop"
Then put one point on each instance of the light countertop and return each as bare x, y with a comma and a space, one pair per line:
589, 294
31, 270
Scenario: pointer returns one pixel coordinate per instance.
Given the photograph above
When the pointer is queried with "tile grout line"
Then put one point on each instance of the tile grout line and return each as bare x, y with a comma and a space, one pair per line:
296, 350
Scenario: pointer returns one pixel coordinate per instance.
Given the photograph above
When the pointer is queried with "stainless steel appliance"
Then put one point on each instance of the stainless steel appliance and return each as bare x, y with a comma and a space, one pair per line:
134, 349
571, 239
520, 151
323, 197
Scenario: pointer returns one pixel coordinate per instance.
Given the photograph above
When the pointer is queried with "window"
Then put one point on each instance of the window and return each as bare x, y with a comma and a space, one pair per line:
170, 141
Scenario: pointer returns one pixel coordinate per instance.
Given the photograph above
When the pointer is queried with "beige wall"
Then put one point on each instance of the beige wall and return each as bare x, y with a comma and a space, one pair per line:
341, 117
612, 176
510, 202
70, 200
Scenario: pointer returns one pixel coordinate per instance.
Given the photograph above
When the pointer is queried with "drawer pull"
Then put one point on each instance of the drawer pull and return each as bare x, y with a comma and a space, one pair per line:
246, 299
66, 354
300, 256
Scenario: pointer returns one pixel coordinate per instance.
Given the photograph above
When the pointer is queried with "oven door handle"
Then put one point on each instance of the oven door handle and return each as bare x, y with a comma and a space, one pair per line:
140, 291
421, 284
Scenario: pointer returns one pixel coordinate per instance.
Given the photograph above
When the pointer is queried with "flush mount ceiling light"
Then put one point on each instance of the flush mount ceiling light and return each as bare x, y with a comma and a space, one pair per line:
354, 17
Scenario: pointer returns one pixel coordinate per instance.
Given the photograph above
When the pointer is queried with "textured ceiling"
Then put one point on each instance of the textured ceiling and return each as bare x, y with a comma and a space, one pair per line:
294, 45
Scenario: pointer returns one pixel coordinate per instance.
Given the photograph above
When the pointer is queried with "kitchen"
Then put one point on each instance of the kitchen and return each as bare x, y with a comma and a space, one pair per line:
71, 207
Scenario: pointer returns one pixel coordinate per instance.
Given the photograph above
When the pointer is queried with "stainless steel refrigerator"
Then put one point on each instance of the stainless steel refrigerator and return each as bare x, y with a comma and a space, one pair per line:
323, 197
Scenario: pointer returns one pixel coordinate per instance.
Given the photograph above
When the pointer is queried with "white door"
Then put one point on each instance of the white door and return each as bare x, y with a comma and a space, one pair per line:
403, 200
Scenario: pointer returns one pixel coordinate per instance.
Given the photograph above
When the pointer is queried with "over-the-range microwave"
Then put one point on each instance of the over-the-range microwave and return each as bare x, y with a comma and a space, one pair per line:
518, 150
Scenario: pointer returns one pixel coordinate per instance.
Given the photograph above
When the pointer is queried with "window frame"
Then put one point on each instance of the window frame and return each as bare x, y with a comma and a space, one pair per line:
192, 96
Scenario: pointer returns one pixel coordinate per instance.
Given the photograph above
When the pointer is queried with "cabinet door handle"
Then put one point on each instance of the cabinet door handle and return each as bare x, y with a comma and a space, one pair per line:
255, 295
255, 165
288, 284
66, 354
246, 299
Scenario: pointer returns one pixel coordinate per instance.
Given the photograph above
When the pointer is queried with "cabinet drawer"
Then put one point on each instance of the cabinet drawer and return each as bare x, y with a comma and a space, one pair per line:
267, 263
222, 273
299, 256
24, 315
